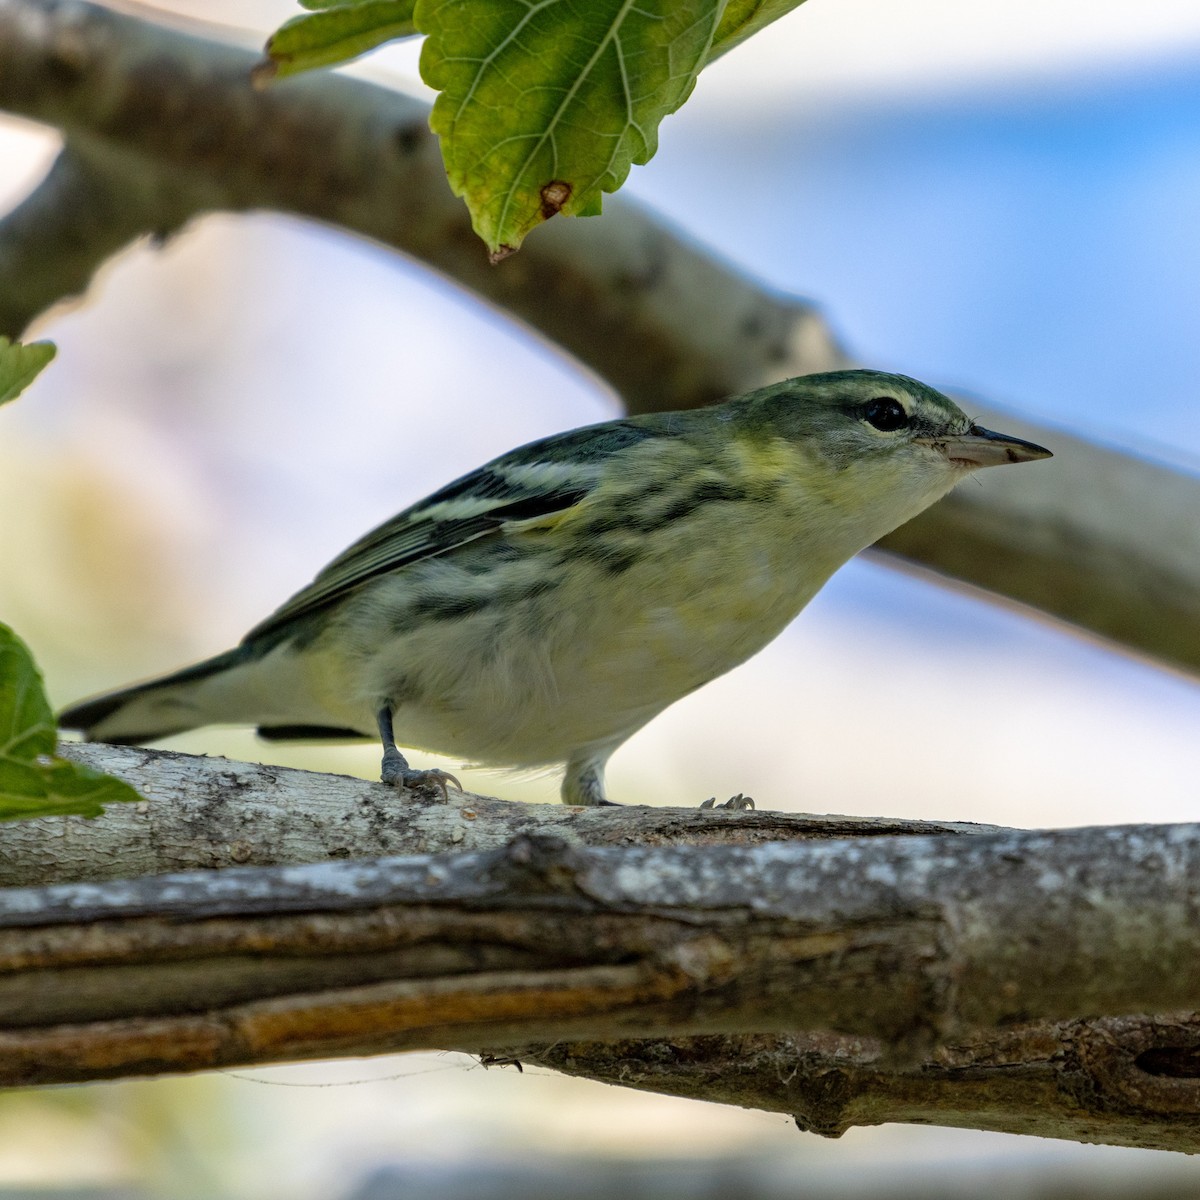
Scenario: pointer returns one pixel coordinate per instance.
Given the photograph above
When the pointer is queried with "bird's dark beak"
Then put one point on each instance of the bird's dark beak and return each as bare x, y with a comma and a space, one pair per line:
980, 447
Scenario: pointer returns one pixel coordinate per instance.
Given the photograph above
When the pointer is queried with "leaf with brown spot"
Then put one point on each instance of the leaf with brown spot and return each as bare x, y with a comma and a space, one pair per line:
545, 107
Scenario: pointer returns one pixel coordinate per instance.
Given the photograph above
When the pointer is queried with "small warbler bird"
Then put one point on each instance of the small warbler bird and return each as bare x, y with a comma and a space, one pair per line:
543, 608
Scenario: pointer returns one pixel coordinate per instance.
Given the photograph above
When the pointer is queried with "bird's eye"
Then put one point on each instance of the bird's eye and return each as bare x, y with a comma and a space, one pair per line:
885, 414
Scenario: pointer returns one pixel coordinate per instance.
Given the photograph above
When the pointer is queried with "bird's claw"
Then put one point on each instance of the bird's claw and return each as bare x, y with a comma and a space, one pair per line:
401, 775
738, 803
487, 1061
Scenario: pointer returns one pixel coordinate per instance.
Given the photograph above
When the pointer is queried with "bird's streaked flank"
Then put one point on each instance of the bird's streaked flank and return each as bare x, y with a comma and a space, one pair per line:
545, 607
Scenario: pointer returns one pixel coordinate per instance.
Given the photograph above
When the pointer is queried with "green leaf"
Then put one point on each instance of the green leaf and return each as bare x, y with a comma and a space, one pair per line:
34, 781
20, 365
545, 106
336, 33
745, 17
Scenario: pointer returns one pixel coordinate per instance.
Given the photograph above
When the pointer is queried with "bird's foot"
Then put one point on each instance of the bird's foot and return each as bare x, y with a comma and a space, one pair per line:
486, 1061
738, 803
398, 774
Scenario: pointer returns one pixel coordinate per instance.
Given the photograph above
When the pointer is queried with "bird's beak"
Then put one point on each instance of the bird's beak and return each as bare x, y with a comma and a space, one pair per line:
980, 447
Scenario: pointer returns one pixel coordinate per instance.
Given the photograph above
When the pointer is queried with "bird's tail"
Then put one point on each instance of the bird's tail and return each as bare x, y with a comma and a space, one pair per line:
157, 708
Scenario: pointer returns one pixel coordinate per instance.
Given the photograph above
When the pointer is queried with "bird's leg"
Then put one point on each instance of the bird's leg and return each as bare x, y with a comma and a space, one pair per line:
395, 770
583, 782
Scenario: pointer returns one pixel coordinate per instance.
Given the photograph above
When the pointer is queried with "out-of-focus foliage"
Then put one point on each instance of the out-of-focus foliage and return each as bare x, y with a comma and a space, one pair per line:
20, 364
34, 782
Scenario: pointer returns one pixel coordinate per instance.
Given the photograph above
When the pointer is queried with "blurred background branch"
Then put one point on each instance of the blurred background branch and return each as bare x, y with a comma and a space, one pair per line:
162, 125
747, 1176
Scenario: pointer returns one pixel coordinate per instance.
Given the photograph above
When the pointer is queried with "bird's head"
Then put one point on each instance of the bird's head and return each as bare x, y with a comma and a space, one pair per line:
883, 445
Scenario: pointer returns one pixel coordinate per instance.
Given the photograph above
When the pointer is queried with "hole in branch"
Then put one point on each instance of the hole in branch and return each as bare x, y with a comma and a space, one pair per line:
1174, 1062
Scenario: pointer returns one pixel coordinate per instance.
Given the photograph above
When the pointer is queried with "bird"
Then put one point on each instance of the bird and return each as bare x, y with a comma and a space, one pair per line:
541, 609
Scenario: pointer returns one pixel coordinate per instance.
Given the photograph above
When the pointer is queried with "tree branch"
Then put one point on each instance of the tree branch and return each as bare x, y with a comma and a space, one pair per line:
622, 294
206, 813
88, 208
1105, 541
849, 981
1097, 539
1123, 1081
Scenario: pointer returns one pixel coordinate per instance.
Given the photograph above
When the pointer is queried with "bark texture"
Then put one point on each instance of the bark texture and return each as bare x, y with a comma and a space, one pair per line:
1128, 1081
850, 980
205, 813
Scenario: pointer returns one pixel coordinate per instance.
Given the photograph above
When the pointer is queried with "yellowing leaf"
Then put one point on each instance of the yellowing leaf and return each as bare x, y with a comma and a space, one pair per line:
34, 781
545, 105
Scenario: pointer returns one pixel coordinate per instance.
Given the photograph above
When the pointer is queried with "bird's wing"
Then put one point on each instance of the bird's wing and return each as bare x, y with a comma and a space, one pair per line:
532, 482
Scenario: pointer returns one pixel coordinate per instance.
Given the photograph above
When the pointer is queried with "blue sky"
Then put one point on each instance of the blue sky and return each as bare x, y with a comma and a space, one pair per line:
1036, 242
